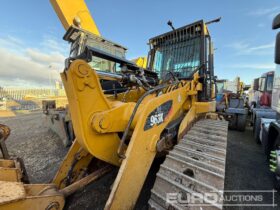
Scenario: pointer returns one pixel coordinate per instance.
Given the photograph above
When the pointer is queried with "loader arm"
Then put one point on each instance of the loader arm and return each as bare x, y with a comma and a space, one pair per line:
97, 121
75, 13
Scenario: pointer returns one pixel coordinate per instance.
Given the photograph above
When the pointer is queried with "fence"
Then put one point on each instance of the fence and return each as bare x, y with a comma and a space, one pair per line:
27, 99
21, 94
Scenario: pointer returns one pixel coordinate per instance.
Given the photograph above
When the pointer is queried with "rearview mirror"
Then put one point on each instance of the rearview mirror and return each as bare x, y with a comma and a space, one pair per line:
277, 49
276, 22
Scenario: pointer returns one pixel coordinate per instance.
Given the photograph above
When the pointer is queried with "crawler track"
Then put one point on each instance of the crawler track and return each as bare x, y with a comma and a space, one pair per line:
195, 165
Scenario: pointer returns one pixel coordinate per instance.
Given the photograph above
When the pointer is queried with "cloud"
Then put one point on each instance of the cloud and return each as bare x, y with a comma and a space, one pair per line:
11, 43
244, 48
14, 67
264, 12
52, 44
23, 66
256, 66
43, 58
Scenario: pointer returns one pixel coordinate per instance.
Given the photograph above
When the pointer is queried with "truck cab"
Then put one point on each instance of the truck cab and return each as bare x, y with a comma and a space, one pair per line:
270, 126
273, 134
262, 113
265, 87
254, 93
276, 91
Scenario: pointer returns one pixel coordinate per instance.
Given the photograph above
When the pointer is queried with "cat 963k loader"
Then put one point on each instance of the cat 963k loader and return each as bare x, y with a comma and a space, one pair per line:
139, 114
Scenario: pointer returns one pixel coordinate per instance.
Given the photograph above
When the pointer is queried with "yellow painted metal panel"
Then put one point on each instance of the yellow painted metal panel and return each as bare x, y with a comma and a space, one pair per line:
141, 152
16, 195
86, 98
204, 107
186, 122
141, 62
84, 160
68, 10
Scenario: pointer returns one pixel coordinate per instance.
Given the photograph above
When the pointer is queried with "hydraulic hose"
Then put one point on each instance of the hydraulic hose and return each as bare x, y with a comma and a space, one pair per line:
120, 148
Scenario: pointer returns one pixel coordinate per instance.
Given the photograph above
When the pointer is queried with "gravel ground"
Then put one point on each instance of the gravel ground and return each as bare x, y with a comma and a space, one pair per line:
42, 152
40, 149
247, 168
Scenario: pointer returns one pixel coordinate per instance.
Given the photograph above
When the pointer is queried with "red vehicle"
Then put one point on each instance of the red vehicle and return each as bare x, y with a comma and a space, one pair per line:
264, 86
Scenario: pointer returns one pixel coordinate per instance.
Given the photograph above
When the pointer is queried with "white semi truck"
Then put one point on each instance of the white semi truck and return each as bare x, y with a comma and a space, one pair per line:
270, 126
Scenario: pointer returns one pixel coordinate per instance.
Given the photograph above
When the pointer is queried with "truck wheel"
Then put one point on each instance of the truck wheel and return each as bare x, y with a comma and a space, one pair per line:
241, 122
257, 130
270, 141
276, 183
232, 121
266, 149
275, 145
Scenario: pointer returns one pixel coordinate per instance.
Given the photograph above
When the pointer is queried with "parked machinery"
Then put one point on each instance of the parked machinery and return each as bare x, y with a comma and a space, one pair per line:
168, 107
269, 119
231, 103
58, 119
261, 111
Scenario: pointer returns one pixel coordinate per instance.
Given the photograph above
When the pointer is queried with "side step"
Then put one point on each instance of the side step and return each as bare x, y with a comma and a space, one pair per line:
193, 169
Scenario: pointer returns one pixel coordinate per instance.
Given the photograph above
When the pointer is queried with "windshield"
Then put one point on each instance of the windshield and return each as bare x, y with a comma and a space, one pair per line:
269, 84
262, 84
181, 58
276, 90
99, 43
220, 87
104, 65
256, 84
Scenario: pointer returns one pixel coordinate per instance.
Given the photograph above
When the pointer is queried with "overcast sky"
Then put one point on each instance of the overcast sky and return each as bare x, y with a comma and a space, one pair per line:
32, 51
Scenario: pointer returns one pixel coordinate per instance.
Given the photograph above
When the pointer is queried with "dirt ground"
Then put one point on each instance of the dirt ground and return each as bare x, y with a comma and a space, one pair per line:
247, 168
6, 113
42, 152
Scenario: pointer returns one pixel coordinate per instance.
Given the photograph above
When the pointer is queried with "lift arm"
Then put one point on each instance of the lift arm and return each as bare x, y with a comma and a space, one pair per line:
75, 13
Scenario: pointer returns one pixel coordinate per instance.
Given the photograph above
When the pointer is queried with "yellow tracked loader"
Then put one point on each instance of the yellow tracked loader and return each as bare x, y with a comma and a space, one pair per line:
126, 118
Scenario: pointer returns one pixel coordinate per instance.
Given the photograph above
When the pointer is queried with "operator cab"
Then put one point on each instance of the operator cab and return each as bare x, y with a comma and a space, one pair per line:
220, 88
181, 53
81, 39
